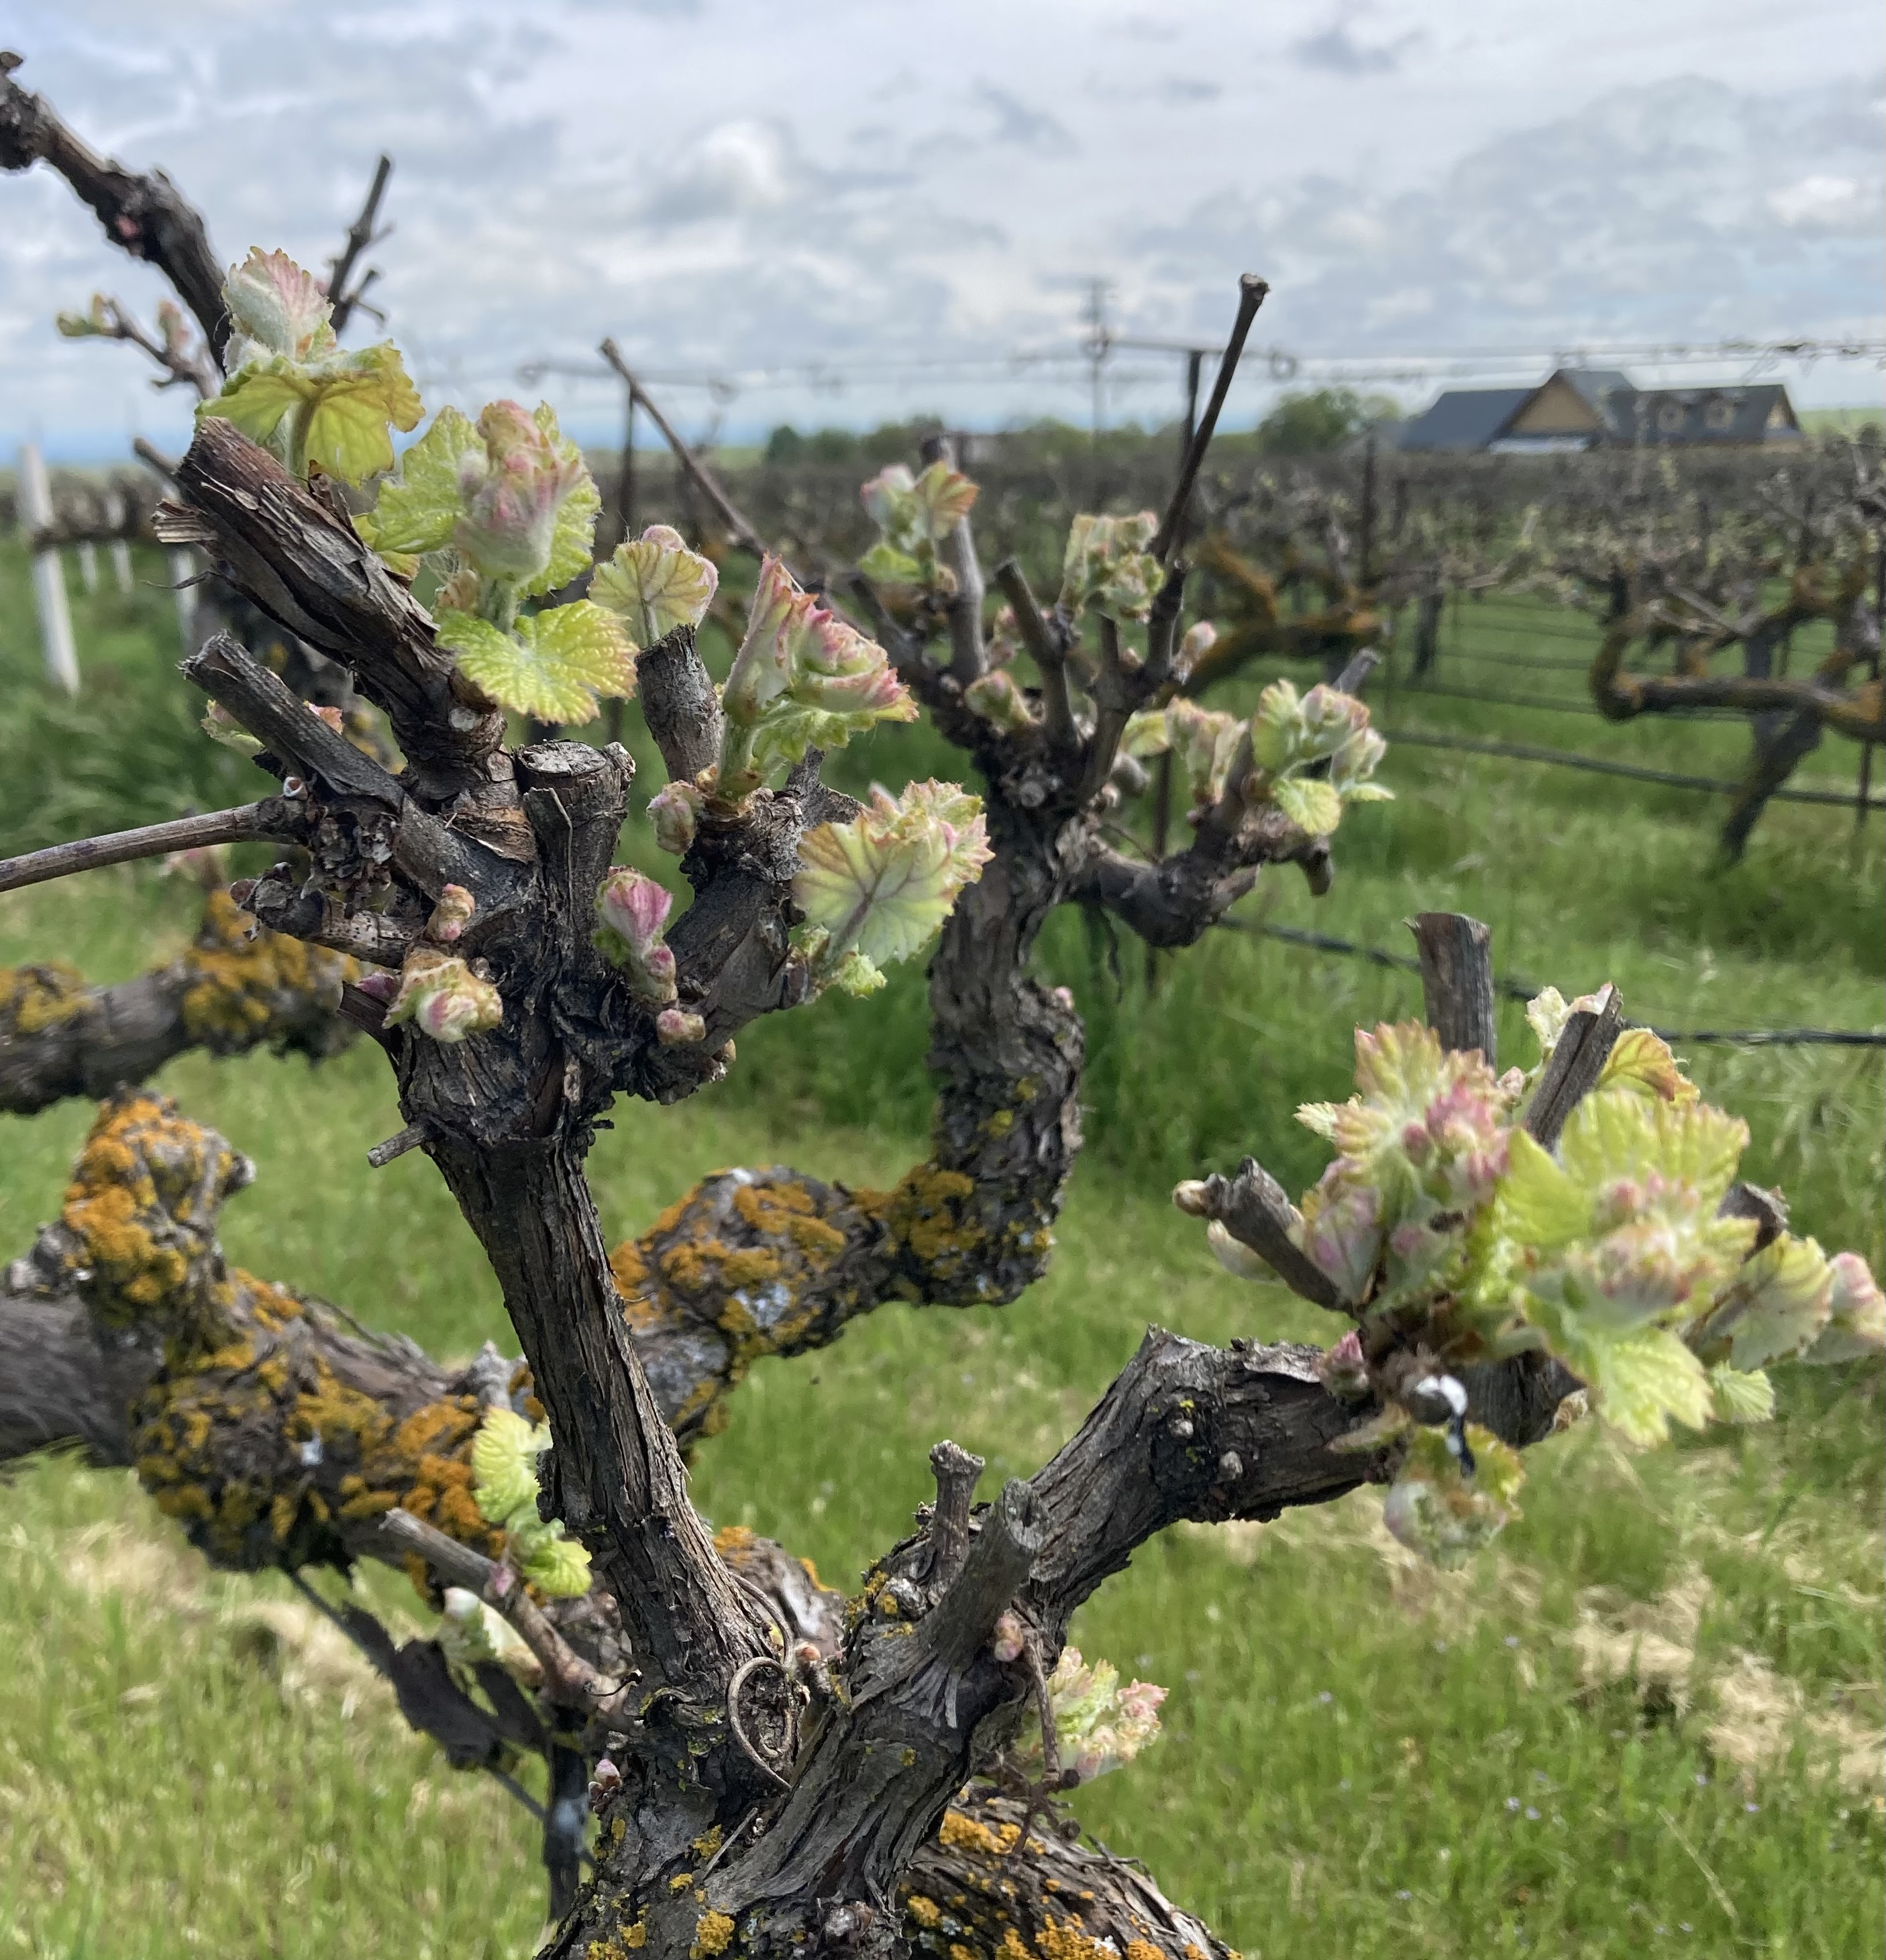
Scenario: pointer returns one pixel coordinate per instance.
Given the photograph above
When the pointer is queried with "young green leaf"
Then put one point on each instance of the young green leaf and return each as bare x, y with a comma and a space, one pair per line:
552, 665
654, 584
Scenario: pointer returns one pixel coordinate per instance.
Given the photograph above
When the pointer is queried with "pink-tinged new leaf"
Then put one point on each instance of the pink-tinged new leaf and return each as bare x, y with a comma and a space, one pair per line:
442, 998
802, 679
276, 307
882, 885
633, 910
654, 583
1856, 1314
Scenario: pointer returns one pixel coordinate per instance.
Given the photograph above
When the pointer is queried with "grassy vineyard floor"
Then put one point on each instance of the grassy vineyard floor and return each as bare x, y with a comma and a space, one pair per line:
1651, 1722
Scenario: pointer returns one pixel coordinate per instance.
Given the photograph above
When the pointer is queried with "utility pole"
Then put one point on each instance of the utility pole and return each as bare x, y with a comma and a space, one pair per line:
1098, 345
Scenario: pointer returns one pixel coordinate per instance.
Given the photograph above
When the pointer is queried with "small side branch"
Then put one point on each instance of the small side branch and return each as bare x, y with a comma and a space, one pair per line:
1254, 1209
1251, 291
1044, 648
360, 234
275, 820
145, 216
737, 527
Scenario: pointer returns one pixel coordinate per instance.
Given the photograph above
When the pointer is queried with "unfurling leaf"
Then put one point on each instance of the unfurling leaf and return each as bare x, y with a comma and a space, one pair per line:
801, 678
472, 1631
1736, 1397
291, 387
1098, 1725
654, 584
881, 886
675, 811
1642, 1061
1106, 566
504, 1455
916, 512
633, 910
1772, 1309
675, 1027
222, 726
443, 997
996, 698
1856, 1313
276, 307
1313, 805
557, 1565
552, 665
1434, 1509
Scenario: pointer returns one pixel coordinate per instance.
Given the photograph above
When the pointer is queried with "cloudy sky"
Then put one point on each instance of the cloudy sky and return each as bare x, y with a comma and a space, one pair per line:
847, 208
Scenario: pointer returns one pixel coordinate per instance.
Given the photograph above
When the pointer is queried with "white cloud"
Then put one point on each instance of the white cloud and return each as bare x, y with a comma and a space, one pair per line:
726, 185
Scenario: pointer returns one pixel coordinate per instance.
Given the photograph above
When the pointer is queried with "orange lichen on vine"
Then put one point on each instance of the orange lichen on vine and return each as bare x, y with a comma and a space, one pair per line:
961, 1832
925, 1911
139, 1215
923, 1211
713, 1934
44, 995
242, 983
625, 1939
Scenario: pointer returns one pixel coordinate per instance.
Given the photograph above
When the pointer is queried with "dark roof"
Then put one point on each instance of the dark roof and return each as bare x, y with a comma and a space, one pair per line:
1465, 418
1704, 415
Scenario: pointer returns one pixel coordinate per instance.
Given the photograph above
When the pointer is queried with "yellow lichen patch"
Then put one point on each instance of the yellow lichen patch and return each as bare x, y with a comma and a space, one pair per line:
713, 1933
45, 995
140, 1216
923, 1212
961, 1832
705, 1848
1066, 1939
925, 1911
625, 1939
735, 1543
242, 989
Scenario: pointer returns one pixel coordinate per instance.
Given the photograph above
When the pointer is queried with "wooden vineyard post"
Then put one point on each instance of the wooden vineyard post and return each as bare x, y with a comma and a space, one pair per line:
48, 575
87, 555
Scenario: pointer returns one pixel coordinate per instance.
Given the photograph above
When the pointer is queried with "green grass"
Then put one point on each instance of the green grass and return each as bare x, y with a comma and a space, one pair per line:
1356, 1747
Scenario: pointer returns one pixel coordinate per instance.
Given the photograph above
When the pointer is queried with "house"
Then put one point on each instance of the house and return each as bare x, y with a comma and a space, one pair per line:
1592, 408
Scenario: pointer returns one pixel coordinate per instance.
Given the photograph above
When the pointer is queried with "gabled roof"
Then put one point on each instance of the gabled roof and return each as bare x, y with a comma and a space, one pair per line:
1761, 413
1465, 418
1605, 388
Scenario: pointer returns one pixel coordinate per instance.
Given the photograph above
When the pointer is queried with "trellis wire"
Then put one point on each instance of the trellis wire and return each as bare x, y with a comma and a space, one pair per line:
1513, 988
1523, 752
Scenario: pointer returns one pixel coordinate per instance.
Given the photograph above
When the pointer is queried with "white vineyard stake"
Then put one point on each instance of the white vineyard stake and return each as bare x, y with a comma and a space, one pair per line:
48, 575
